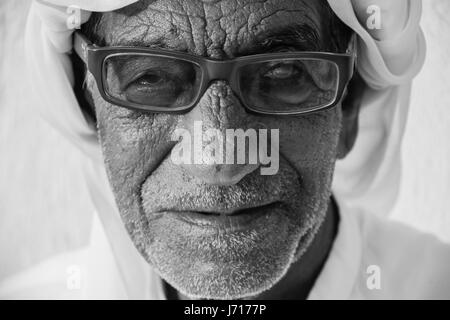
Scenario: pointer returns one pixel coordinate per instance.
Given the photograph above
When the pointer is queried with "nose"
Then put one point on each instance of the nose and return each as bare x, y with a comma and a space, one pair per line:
213, 125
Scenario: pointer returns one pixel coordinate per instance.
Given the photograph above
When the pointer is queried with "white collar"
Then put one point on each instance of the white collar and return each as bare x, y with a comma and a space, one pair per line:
338, 276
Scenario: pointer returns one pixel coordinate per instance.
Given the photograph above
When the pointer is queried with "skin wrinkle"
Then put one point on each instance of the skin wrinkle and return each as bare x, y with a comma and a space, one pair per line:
137, 146
129, 36
215, 36
207, 36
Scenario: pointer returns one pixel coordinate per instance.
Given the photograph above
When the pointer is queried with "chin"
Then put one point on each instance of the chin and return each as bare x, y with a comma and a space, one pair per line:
232, 262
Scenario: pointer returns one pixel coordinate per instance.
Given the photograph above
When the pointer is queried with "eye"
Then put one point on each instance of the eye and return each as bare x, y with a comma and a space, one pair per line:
282, 71
149, 79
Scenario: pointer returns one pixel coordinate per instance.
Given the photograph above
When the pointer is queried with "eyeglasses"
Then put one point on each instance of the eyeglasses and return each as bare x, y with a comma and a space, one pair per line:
155, 80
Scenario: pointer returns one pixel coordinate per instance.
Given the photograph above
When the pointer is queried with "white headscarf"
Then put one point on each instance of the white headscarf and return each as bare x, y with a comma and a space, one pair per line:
367, 178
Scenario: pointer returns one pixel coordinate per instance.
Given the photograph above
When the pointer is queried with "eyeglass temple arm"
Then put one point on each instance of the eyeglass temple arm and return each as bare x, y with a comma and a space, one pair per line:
81, 45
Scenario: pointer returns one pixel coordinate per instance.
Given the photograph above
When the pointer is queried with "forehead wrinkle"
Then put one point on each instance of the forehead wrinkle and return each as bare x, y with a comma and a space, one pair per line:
255, 25
135, 8
310, 15
163, 24
197, 30
145, 29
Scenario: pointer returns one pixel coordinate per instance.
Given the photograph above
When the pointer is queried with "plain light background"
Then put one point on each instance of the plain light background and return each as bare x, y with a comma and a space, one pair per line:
44, 206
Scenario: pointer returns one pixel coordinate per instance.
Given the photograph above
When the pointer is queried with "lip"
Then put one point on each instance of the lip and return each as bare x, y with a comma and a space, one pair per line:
238, 221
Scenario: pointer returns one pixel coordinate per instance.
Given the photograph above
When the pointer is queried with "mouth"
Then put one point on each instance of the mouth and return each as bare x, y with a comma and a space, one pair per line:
231, 221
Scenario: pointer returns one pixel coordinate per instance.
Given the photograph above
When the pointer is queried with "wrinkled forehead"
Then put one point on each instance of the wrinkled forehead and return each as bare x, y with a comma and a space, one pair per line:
217, 28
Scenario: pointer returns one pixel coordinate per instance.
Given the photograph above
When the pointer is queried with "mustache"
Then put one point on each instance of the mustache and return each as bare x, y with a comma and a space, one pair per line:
170, 189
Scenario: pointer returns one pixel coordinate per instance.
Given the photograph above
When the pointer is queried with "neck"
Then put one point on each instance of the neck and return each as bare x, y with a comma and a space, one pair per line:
299, 280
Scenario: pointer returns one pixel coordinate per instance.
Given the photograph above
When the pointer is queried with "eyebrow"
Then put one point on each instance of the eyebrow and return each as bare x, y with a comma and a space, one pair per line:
301, 37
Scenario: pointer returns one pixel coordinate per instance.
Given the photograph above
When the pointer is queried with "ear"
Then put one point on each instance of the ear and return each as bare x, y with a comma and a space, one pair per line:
351, 105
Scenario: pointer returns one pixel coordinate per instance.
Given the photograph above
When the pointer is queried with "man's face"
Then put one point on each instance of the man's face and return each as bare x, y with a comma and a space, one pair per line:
179, 216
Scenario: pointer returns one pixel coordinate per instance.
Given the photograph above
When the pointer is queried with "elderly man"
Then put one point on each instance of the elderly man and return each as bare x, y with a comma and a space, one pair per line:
224, 230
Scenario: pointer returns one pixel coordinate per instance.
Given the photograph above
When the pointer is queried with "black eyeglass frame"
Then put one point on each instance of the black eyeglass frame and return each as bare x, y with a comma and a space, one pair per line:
211, 70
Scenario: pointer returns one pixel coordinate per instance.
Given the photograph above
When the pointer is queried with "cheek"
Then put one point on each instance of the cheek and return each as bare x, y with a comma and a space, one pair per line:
311, 141
309, 144
133, 144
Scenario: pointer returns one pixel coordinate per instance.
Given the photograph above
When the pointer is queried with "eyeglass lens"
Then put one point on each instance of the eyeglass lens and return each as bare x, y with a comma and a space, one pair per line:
282, 85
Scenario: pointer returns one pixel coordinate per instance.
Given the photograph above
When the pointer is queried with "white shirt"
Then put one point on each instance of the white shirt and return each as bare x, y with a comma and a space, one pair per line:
377, 258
